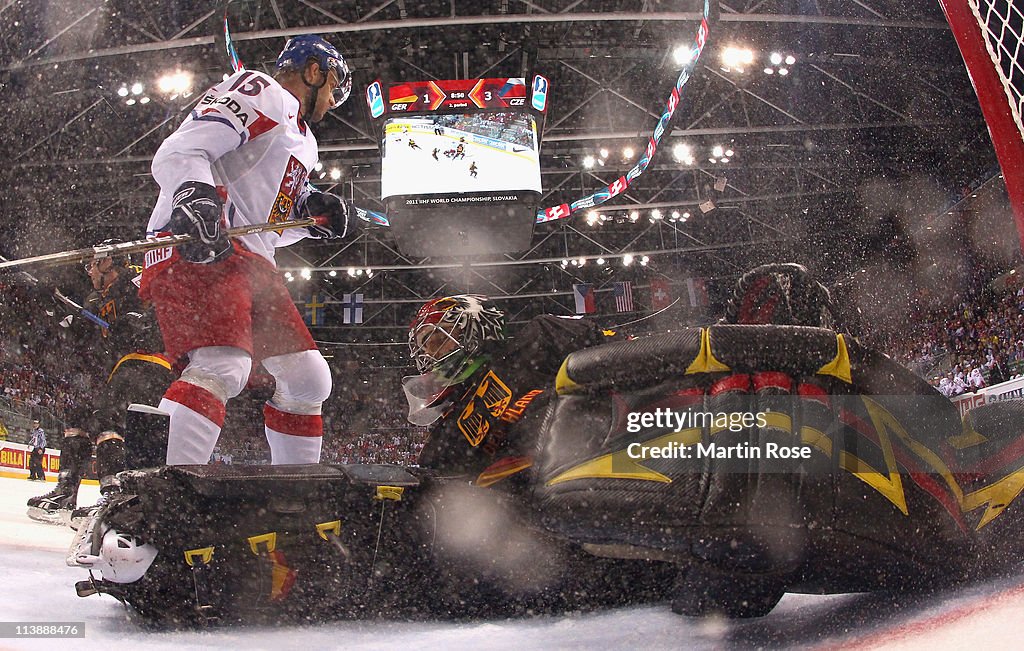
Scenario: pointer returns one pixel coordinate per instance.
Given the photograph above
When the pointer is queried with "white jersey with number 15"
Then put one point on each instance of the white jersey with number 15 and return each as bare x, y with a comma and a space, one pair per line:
246, 137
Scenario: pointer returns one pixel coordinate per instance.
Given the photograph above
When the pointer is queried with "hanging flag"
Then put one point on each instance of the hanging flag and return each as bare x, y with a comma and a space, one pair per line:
697, 291
661, 294
352, 308
584, 295
623, 293
314, 310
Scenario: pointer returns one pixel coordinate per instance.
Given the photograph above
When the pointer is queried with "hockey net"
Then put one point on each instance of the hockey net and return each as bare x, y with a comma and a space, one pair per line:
990, 35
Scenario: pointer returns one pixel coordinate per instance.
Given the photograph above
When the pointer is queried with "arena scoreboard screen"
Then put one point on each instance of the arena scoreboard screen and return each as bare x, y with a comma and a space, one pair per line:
460, 162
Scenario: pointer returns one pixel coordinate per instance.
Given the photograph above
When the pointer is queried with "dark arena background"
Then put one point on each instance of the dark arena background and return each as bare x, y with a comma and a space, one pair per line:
876, 142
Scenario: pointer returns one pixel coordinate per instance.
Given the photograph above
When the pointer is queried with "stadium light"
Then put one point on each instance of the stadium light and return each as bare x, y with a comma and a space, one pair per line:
335, 173
790, 60
683, 55
306, 273
600, 261
737, 57
129, 101
332, 273
655, 214
588, 161
122, 91
627, 259
775, 58
682, 153
175, 83
769, 71
582, 261
717, 151
144, 100
783, 72
136, 88
591, 218
628, 153
319, 166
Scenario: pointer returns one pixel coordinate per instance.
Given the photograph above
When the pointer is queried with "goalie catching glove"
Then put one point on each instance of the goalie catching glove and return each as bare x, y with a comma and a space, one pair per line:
196, 210
335, 217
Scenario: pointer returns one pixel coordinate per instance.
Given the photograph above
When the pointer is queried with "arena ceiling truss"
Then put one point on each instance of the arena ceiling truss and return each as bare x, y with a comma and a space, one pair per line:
876, 96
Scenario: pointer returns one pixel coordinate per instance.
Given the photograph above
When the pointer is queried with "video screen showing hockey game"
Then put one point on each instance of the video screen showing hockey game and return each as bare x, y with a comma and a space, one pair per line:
471, 153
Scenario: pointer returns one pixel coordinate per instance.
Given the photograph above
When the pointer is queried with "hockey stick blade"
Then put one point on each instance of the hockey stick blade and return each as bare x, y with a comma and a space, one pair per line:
137, 246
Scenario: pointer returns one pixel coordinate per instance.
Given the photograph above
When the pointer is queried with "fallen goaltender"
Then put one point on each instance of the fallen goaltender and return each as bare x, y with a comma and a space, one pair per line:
529, 498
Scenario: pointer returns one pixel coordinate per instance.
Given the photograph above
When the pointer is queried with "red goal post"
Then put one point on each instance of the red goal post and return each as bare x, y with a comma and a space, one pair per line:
990, 35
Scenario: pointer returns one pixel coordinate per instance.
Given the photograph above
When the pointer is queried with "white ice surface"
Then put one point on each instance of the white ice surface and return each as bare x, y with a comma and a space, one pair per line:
38, 586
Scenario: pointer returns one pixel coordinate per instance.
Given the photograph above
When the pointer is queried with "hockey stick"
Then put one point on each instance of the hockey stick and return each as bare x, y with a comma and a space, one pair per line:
32, 280
29, 278
137, 246
81, 310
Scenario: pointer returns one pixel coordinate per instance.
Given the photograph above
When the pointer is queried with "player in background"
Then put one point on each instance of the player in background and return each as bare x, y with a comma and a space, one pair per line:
472, 169
434, 153
460, 151
412, 144
243, 156
127, 355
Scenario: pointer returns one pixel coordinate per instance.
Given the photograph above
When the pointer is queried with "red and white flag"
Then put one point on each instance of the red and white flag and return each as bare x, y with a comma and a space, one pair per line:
697, 291
623, 293
661, 294
584, 295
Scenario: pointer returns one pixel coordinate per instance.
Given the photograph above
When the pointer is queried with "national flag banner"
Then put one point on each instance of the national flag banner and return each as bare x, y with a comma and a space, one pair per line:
623, 293
584, 295
697, 291
352, 308
314, 313
661, 294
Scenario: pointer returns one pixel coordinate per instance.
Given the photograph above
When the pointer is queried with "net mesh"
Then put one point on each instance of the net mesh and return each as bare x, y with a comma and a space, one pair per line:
1002, 25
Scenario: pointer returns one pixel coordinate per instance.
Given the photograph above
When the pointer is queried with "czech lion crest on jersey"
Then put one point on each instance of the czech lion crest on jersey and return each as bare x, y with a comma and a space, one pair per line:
291, 183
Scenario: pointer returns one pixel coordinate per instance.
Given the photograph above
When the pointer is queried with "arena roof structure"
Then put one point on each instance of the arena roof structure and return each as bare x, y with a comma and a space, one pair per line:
850, 124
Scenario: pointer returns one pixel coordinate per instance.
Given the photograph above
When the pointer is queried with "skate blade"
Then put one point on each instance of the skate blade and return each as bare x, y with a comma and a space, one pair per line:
59, 517
80, 552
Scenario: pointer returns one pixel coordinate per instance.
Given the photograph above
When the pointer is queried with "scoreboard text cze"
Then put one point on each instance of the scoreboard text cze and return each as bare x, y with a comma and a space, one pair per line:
458, 94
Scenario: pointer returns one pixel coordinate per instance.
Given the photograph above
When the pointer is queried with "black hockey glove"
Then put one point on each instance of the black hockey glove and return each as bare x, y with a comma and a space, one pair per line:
196, 210
335, 217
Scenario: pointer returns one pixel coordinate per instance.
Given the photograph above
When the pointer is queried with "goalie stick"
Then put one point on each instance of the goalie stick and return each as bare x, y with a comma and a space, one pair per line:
136, 246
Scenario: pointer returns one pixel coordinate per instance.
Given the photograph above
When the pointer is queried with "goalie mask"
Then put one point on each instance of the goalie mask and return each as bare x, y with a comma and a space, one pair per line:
446, 339
448, 330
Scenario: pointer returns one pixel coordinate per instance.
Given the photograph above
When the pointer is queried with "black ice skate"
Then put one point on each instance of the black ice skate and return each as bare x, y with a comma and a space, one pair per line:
56, 506
109, 486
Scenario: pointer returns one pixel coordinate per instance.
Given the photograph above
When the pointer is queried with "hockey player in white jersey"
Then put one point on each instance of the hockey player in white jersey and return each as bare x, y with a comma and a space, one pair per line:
243, 156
